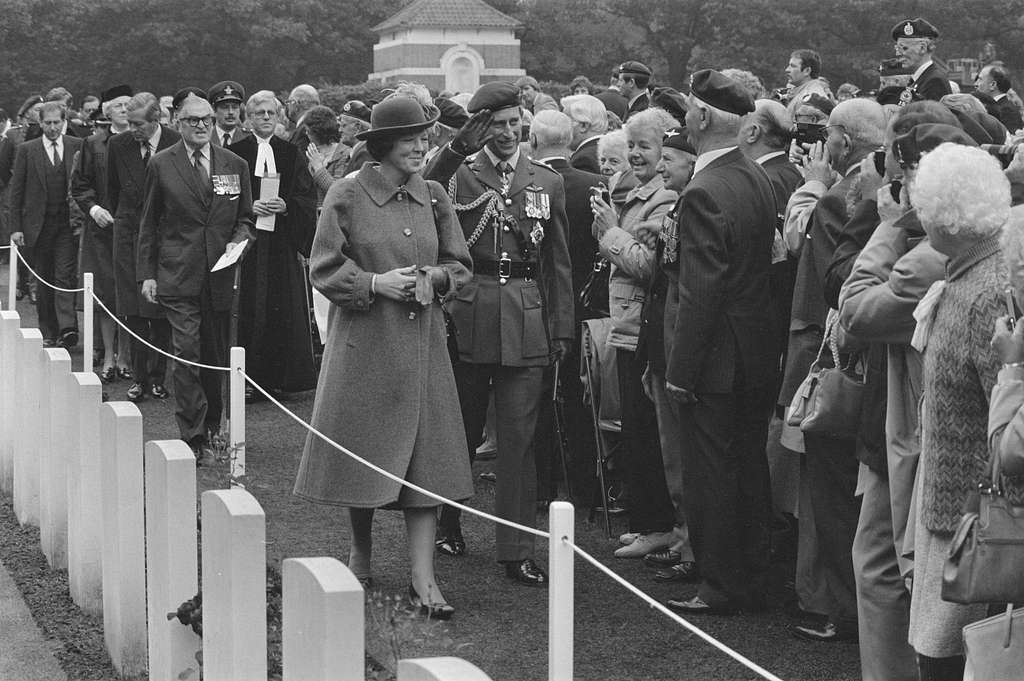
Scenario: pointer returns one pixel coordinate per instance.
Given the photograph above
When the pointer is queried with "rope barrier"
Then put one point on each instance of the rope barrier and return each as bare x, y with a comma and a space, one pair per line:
392, 476
753, 666
4, 248
41, 280
149, 345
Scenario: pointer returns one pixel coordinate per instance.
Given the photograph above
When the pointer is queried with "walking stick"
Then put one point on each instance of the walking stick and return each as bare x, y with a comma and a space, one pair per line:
598, 442
558, 406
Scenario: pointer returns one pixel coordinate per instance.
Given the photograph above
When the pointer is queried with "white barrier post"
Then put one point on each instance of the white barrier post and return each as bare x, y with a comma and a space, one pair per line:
10, 405
560, 591
323, 620
12, 278
85, 508
87, 318
53, 441
234, 587
26, 463
124, 553
236, 426
440, 669
171, 558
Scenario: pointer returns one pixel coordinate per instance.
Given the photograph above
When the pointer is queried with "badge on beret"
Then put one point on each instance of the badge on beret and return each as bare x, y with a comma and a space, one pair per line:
226, 185
908, 29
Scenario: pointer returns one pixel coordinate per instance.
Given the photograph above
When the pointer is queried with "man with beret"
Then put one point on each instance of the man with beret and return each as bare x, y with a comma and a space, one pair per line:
915, 45
226, 97
634, 78
450, 120
516, 316
354, 118
719, 351
802, 72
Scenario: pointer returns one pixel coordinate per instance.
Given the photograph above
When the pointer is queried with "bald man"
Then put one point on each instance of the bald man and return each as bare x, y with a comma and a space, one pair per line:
302, 98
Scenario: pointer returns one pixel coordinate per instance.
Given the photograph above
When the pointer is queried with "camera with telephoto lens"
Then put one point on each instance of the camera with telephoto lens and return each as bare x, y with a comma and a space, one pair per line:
809, 133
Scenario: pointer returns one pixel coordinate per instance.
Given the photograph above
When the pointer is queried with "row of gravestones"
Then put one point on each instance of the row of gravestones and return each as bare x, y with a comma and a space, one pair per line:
120, 516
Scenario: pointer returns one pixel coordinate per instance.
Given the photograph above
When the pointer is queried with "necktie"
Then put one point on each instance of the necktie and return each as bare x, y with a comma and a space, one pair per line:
146, 152
56, 154
227, 139
505, 168
204, 177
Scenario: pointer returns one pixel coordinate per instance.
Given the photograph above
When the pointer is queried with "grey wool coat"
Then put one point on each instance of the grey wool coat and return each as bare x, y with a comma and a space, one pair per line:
386, 390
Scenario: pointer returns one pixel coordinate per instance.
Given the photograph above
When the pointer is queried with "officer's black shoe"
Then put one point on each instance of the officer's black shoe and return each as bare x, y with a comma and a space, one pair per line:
526, 572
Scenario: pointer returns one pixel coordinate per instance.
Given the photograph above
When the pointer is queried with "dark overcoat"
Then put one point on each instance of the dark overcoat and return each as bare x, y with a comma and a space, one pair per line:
88, 189
386, 389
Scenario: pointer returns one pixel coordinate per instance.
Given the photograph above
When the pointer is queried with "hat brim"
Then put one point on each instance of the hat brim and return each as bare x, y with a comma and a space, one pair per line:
395, 130
221, 100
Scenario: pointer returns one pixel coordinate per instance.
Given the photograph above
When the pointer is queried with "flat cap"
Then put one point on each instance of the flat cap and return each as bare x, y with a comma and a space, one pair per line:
494, 96
925, 137
670, 100
356, 109
721, 92
678, 138
452, 115
184, 92
226, 91
914, 28
633, 68
115, 92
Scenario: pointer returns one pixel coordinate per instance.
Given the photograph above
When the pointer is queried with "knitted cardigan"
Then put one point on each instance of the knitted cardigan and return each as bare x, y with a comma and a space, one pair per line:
960, 369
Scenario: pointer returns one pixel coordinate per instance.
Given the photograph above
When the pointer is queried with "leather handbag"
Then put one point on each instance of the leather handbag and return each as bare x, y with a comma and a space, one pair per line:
985, 563
995, 647
594, 296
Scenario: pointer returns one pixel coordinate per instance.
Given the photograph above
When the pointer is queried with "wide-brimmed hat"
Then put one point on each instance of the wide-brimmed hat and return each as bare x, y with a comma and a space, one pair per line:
395, 116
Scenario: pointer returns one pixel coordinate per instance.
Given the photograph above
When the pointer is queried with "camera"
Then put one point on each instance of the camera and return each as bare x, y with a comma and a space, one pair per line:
601, 192
809, 133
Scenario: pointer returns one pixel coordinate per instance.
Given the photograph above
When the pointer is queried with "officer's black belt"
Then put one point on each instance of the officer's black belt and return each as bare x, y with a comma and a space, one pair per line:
506, 268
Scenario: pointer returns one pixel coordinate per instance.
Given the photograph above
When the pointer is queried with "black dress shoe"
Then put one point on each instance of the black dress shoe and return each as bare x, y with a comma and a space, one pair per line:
68, 338
821, 634
158, 391
526, 572
451, 544
697, 606
432, 611
135, 393
685, 573
664, 558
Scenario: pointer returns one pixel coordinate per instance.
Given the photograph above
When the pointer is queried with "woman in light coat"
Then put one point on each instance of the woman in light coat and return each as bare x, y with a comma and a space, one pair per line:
387, 242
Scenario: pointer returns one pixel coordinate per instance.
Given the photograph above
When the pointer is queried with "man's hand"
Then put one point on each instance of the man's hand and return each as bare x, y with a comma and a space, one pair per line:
149, 290
680, 395
1009, 344
474, 135
274, 206
870, 180
398, 284
317, 161
101, 216
561, 349
817, 165
19, 239
648, 236
888, 210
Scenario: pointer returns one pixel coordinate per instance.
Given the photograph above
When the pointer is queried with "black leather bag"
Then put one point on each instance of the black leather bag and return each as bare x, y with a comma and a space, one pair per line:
594, 296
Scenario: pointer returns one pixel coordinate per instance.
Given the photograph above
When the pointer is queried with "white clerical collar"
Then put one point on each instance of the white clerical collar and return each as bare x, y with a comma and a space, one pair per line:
513, 160
769, 156
921, 69
708, 157
265, 162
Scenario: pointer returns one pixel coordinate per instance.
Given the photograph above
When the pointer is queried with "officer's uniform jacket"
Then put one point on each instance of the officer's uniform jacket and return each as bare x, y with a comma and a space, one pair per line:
509, 320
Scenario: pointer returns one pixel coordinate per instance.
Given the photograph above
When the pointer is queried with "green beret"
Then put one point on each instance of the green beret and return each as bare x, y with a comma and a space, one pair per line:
494, 96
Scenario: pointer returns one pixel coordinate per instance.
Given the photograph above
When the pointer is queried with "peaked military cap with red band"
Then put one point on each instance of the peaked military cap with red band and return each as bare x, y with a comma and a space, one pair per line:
721, 92
914, 28
496, 95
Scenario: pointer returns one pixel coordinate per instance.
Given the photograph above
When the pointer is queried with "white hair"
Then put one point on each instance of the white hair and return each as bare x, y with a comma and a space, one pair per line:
613, 142
654, 120
587, 109
862, 119
257, 98
961, 190
551, 128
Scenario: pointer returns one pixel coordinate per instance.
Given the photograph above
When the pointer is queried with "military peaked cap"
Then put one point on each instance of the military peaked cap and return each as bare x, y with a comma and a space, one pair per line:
226, 91
914, 28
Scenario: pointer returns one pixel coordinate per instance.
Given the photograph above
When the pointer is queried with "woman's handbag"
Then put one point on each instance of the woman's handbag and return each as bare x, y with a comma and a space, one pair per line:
594, 296
829, 400
986, 557
995, 647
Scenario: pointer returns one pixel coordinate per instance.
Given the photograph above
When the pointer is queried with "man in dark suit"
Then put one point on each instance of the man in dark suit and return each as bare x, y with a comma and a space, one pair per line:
516, 315
41, 221
549, 135
302, 98
994, 80
274, 321
227, 97
612, 98
197, 206
127, 156
915, 46
589, 121
719, 351
634, 78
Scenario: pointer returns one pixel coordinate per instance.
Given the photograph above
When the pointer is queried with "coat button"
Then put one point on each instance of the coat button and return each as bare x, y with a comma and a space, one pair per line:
412, 315
506, 228
508, 202
407, 231
502, 281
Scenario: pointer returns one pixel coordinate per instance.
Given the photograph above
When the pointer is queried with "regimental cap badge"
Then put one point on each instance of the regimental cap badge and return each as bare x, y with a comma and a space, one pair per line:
228, 90
671, 133
908, 28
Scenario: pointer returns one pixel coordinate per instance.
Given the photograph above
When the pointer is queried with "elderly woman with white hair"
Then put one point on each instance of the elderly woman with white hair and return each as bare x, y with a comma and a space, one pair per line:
617, 229
611, 153
962, 199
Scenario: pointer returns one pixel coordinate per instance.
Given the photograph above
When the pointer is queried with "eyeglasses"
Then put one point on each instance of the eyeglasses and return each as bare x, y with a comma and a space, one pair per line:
264, 114
195, 122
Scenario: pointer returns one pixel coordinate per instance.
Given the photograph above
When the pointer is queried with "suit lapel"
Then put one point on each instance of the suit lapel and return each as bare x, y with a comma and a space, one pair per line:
179, 155
40, 159
486, 172
523, 175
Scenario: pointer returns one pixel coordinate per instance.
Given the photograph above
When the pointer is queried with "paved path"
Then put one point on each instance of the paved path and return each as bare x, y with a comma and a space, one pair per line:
24, 654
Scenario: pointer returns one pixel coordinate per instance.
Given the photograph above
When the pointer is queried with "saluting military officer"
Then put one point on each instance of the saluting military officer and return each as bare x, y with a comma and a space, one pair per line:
516, 316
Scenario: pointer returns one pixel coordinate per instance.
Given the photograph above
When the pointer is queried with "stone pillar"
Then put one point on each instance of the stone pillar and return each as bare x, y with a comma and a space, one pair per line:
53, 452
26, 450
85, 508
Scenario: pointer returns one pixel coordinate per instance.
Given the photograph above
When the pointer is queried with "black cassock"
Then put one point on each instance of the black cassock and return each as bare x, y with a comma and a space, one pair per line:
273, 324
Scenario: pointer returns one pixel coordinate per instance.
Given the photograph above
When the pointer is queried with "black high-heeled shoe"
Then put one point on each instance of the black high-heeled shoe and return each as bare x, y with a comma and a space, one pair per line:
433, 611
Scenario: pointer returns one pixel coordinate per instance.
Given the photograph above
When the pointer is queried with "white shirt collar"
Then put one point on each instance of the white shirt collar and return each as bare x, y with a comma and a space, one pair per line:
512, 160
154, 139
592, 137
638, 96
769, 156
221, 132
999, 96
59, 143
920, 70
204, 151
705, 159
548, 159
